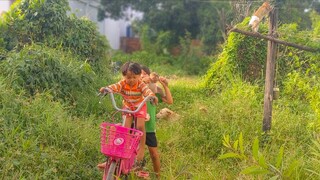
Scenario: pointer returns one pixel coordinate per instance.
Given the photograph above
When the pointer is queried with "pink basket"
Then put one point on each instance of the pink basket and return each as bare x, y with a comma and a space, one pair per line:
119, 141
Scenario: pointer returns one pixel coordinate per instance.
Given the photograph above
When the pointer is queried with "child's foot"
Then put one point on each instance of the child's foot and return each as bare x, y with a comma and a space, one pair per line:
142, 174
139, 165
101, 166
158, 175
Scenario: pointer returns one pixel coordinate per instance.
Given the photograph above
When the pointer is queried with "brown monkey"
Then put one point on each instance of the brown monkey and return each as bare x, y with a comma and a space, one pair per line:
263, 11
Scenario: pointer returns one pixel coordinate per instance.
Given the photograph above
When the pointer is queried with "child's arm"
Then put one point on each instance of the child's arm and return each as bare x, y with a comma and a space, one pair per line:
114, 87
147, 92
166, 97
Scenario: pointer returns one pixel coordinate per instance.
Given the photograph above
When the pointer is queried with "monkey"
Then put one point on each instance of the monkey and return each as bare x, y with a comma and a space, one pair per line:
258, 15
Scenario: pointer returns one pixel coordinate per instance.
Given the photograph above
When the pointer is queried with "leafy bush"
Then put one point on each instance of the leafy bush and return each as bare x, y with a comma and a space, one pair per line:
47, 22
143, 57
241, 57
191, 59
315, 24
38, 68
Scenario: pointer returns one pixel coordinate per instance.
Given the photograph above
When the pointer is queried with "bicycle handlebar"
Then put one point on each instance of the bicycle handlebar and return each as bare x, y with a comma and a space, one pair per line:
109, 91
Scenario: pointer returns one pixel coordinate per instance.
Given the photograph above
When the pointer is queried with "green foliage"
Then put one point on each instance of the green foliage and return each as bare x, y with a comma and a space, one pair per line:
155, 42
293, 11
212, 30
146, 37
241, 57
159, 63
163, 42
38, 68
39, 140
261, 166
220, 74
205, 129
191, 59
142, 57
201, 19
237, 148
33, 20
83, 39
314, 169
46, 21
316, 25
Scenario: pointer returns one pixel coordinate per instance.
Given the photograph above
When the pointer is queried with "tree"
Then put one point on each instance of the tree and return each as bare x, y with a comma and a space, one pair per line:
199, 18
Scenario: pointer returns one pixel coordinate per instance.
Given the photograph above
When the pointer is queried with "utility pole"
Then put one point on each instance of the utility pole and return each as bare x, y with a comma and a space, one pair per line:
270, 70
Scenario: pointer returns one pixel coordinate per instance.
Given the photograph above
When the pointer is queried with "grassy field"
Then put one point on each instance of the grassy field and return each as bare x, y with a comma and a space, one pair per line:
41, 139
191, 147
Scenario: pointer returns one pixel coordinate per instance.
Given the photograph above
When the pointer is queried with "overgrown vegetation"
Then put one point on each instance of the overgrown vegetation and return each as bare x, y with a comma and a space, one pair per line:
296, 113
50, 115
47, 22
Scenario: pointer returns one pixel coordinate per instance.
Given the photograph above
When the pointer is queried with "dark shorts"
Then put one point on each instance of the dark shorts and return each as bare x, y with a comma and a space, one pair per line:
151, 139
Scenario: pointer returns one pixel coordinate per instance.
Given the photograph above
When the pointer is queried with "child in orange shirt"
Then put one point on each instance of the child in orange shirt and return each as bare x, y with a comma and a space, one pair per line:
133, 90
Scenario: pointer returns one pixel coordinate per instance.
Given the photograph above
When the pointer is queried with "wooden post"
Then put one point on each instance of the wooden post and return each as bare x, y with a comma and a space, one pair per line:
270, 71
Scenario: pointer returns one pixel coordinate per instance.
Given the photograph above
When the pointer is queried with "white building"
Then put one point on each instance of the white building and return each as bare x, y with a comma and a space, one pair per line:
113, 30
4, 5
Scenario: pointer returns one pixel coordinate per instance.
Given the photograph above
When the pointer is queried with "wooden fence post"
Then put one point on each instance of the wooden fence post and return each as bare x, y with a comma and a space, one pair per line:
270, 71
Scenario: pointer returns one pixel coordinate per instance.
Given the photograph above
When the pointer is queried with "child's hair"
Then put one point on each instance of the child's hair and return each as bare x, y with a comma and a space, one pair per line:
145, 69
131, 66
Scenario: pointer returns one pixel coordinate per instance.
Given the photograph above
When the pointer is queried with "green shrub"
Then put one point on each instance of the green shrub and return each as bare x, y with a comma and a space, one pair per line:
242, 57
143, 57
38, 68
47, 22
259, 165
191, 59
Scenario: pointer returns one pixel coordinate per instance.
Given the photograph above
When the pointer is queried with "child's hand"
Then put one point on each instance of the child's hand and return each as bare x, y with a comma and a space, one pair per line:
146, 79
163, 81
105, 90
154, 77
102, 90
155, 100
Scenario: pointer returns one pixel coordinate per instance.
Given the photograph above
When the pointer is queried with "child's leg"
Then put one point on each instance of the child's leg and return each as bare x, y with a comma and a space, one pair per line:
155, 160
141, 127
128, 122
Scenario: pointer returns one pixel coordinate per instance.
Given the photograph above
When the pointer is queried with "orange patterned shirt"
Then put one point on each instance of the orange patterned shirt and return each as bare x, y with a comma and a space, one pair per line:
132, 96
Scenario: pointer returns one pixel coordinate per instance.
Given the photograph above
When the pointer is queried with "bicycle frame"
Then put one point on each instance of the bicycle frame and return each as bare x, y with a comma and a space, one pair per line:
118, 143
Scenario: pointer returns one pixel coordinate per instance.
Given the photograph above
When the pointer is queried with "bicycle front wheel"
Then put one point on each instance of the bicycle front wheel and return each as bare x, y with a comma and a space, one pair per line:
109, 172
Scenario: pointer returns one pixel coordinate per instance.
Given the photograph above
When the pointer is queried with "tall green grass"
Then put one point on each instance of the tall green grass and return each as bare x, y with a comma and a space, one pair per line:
40, 140
194, 143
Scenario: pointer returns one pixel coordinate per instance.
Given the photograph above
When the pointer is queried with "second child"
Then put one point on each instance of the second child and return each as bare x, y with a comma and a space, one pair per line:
164, 95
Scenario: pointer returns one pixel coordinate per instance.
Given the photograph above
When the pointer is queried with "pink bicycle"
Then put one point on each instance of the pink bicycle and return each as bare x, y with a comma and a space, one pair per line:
119, 144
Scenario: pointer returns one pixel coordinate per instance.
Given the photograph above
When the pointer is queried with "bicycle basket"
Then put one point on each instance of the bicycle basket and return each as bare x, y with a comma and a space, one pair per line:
119, 141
